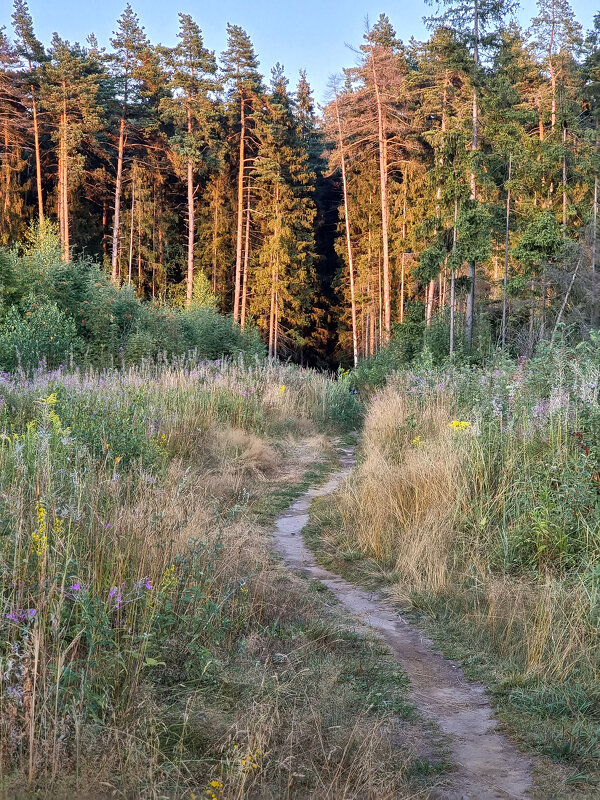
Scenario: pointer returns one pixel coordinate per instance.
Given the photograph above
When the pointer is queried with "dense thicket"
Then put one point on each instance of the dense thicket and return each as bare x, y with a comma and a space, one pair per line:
447, 195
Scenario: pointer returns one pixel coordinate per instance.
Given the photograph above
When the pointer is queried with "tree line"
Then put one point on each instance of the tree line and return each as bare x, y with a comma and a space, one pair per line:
448, 188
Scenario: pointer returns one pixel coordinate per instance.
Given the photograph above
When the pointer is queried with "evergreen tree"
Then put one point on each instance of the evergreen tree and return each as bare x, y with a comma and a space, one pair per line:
70, 101
31, 50
239, 67
284, 276
191, 78
127, 68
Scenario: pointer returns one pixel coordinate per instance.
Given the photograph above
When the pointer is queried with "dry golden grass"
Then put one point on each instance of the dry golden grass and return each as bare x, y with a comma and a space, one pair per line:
400, 503
413, 505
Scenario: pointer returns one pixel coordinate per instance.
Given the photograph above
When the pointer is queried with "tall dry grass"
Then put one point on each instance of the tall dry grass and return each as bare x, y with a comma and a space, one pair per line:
443, 510
400, 505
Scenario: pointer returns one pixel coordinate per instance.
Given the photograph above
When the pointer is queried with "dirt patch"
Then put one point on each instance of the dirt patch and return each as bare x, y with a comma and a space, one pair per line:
488, 766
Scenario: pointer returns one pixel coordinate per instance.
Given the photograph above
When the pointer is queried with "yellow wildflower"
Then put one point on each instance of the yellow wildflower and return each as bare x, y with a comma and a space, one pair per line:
169, 581
418, 441
51, 400
459, 425
282, 388
39, 538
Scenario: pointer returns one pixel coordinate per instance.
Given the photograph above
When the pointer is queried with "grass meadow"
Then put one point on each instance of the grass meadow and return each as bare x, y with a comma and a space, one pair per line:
151, 645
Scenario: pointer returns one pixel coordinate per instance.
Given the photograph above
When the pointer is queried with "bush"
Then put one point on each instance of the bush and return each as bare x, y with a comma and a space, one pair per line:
42, 333
213, 335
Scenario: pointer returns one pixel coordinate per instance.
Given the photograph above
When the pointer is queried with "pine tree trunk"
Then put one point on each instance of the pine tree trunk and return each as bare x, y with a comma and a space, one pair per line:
543, 305
383, 184
38, 165
595, 224
139, 246
191, 218
506, 243
131, 232
348, 237
402, 285
117, 216
564, 180
272, 309
429, 293
474, 145
104, 217
276, 315
65, 185
452, 279
246, 259
214, 239
552, 72
6, 170
240, 212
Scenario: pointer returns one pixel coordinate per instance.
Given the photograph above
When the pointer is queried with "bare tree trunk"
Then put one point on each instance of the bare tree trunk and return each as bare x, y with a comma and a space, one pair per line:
6, 169
430, 293
372, 341
383, 184
276, 315
117, 215
566, 298
240, 212
246, 259
139, 246
131, 231
595, 224
104, 217
161, 249
381, 336
214, 240
402, 284
348, 237
474, 145
543, 304
272, 309
38, 165
552, 70
506, 243
189, 289
65, 184
564, 180
452, 279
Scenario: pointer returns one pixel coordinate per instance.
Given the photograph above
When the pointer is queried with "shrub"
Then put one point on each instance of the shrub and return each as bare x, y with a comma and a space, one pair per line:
41, 333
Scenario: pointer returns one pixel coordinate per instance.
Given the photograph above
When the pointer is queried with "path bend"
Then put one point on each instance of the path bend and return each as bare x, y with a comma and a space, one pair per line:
487, 764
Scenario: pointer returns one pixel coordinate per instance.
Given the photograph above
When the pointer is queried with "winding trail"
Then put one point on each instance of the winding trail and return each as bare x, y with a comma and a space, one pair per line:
487, 765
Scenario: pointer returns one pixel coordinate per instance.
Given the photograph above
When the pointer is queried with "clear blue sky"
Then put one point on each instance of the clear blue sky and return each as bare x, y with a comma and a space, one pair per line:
309, 34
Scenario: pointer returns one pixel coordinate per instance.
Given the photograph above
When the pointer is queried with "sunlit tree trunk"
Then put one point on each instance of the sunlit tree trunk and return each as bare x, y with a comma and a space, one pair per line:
246, 260
348, 237
240, 213
191, 218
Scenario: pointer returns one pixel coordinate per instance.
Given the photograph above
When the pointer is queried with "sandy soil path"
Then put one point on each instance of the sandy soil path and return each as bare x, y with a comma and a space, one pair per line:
488, 766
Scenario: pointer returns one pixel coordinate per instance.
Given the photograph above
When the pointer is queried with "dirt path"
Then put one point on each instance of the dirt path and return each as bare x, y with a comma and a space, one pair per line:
487, 765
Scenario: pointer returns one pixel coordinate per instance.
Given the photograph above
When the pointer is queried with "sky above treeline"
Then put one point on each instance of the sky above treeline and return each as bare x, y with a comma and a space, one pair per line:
300, 34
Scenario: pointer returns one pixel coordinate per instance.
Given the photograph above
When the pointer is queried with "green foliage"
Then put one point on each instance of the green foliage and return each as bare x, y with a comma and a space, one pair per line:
43, 333
406, 343
541, 241
202, 294
97, 322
